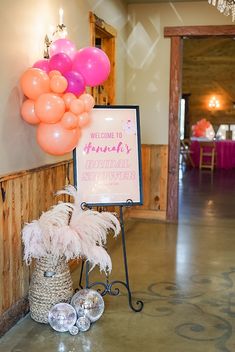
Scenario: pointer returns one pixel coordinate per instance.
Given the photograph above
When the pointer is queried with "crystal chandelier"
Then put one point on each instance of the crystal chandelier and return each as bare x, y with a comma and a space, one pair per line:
227, 7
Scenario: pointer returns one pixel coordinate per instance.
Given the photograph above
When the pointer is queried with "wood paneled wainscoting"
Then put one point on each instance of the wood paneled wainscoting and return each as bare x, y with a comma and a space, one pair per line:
24, 195
154, 178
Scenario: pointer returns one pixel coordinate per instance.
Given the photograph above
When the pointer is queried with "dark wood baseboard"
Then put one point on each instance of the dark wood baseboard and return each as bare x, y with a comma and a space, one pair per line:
9, 318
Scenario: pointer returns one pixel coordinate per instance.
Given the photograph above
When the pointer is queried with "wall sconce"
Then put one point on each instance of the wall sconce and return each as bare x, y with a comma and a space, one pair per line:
59, 32
214, 103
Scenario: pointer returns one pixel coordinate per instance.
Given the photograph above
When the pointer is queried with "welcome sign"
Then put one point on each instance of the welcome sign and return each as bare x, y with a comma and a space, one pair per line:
107, 161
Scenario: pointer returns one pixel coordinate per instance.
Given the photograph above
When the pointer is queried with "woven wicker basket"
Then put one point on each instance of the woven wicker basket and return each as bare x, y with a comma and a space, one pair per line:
51, 283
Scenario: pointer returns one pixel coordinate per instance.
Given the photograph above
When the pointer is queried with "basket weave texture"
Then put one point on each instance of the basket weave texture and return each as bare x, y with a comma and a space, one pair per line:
51, 283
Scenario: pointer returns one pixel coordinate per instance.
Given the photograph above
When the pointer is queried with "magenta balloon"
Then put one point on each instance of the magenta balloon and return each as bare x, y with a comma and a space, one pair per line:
76, 82
42, 64
93, 64
60, 62
62, 46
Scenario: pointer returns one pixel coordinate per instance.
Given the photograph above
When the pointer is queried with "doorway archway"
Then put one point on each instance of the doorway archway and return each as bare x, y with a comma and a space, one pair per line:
176, 34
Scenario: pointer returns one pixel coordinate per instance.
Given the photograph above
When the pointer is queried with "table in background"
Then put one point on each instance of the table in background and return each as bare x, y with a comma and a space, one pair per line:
225, 153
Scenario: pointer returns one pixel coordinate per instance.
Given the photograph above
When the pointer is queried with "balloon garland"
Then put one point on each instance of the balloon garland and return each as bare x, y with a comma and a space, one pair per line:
202, 129
55, 91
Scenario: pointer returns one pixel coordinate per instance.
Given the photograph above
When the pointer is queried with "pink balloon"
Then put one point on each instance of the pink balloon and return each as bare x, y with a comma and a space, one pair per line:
49, 108
34, 82
54, 73
77, 106
42, 64
28, 112
76, 83
56, 140
84, 119
62, 46
93, 64
68, 98
88, 101
69, 120
58, 84
60, 62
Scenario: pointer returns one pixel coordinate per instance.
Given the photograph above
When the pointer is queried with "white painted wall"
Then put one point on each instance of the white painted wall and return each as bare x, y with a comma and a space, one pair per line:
143, 81
148, 66
24, 24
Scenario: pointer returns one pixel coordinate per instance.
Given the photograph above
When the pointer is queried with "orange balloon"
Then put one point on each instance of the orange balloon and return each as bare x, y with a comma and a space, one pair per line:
88, 101
54, 73
84, 119
69, 120
78, 132
56, 140
49, 108
68, 98
77, 106
28, 112
34, 82
58, 84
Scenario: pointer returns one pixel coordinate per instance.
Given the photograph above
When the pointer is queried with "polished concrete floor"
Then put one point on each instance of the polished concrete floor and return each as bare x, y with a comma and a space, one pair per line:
185, 275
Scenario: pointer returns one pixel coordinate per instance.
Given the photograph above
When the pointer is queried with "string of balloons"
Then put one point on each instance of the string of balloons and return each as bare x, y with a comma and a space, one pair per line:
56, 98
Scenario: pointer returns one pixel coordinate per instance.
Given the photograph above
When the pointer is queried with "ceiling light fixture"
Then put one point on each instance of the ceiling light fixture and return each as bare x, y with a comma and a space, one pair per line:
227, 7
214, 103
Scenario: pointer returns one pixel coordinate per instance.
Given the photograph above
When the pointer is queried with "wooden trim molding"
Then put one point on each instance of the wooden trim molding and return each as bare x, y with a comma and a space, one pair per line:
173, 156
104, 94
11, 176
96, 22
177, 34
198, 31
23, 197
9, 318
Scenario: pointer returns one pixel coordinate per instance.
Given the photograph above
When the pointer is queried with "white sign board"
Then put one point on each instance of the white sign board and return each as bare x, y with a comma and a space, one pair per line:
107, 160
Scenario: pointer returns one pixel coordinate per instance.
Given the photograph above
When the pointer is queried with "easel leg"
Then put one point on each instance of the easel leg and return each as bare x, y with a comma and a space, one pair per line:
108, 286
127, 285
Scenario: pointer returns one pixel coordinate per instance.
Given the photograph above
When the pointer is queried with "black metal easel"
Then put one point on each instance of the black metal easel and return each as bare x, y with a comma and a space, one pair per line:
108, 286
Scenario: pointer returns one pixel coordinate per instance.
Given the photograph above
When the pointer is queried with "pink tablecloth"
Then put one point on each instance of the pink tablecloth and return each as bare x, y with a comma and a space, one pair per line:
225, 154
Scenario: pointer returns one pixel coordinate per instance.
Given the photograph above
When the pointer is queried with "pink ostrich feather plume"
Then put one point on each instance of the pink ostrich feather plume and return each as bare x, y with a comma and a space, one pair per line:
67, 231
92, 228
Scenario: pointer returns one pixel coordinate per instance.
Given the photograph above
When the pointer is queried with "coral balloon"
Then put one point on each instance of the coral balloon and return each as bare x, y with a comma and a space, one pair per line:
68, 98
54, 73
93, 64
77, 106
60, 62
28, 112
76, 83
84, 119
88, 101
58, 84
69, 120
56, 140
34, 82
49, 108
62, 46
42, 64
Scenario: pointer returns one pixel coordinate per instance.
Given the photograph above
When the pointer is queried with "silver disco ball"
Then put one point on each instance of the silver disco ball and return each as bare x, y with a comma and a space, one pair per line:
83, 323
88, 303
62, 317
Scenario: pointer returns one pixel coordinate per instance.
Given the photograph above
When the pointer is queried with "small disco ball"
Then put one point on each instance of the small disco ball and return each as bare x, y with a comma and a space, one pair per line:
62, 317
83, 324
88, 303
73, 330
